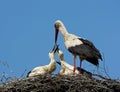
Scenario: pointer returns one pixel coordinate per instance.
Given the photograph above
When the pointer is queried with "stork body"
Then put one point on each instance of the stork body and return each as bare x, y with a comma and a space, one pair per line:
78, 46
43, 70
67, 69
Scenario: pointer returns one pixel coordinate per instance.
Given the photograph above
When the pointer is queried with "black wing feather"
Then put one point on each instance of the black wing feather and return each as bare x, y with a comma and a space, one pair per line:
86, 51
89, 43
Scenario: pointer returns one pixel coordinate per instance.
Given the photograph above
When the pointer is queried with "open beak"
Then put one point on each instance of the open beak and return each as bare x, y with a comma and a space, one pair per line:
56, 35
55, 48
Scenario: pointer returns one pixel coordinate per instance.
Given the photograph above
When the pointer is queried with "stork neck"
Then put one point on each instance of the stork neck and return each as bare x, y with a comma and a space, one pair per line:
52, 65
63, 30
52, 61
61, 59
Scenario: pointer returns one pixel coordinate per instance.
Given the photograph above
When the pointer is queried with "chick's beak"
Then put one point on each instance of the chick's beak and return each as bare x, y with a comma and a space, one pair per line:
55, 48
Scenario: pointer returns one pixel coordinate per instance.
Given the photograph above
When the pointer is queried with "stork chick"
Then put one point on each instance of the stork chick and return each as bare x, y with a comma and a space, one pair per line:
67, 69
47, 69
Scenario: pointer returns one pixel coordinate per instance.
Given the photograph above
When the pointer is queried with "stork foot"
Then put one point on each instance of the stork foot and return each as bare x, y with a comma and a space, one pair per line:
74, 70
80, 71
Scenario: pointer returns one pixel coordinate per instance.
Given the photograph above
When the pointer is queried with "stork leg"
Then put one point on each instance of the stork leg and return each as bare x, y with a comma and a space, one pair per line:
80, 71
74, 64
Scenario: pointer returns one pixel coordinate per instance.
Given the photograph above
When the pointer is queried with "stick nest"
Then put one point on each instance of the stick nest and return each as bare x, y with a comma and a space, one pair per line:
57, 83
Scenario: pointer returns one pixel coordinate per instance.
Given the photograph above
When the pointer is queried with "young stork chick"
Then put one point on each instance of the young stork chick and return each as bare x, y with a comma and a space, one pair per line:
46, 69
67, 69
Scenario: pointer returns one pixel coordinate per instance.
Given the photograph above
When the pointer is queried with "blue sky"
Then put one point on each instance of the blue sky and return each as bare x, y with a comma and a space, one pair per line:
27, 32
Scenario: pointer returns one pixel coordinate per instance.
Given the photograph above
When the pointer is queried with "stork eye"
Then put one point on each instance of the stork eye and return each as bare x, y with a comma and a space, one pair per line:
57, 25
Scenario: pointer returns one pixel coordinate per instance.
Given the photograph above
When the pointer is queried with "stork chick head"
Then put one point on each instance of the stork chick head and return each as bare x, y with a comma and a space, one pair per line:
51, 55
60, 54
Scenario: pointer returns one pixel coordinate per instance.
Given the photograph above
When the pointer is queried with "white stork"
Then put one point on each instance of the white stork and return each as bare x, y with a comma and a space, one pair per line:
47, 69
78, 46
67, 69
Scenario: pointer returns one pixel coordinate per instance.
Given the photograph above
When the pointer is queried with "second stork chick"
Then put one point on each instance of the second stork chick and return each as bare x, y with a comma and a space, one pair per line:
67, 69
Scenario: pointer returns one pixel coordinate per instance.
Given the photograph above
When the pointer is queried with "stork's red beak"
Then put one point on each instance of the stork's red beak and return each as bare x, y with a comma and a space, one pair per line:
56, 35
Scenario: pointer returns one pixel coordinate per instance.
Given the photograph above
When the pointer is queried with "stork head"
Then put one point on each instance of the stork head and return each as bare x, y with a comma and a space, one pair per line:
51, 53
57, 26
60, 54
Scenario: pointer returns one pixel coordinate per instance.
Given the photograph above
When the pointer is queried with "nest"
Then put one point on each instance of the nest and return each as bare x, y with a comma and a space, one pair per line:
57, 83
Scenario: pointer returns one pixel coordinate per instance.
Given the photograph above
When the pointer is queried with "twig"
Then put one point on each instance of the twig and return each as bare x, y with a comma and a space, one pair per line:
99, 76
104, 67
23, 73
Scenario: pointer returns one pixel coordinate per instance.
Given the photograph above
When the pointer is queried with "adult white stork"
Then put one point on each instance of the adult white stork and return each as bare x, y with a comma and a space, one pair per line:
46, 69
78, 46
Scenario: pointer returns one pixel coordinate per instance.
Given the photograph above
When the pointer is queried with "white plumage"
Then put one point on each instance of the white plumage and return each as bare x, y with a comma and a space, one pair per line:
78, 46
43, 70
67, 69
